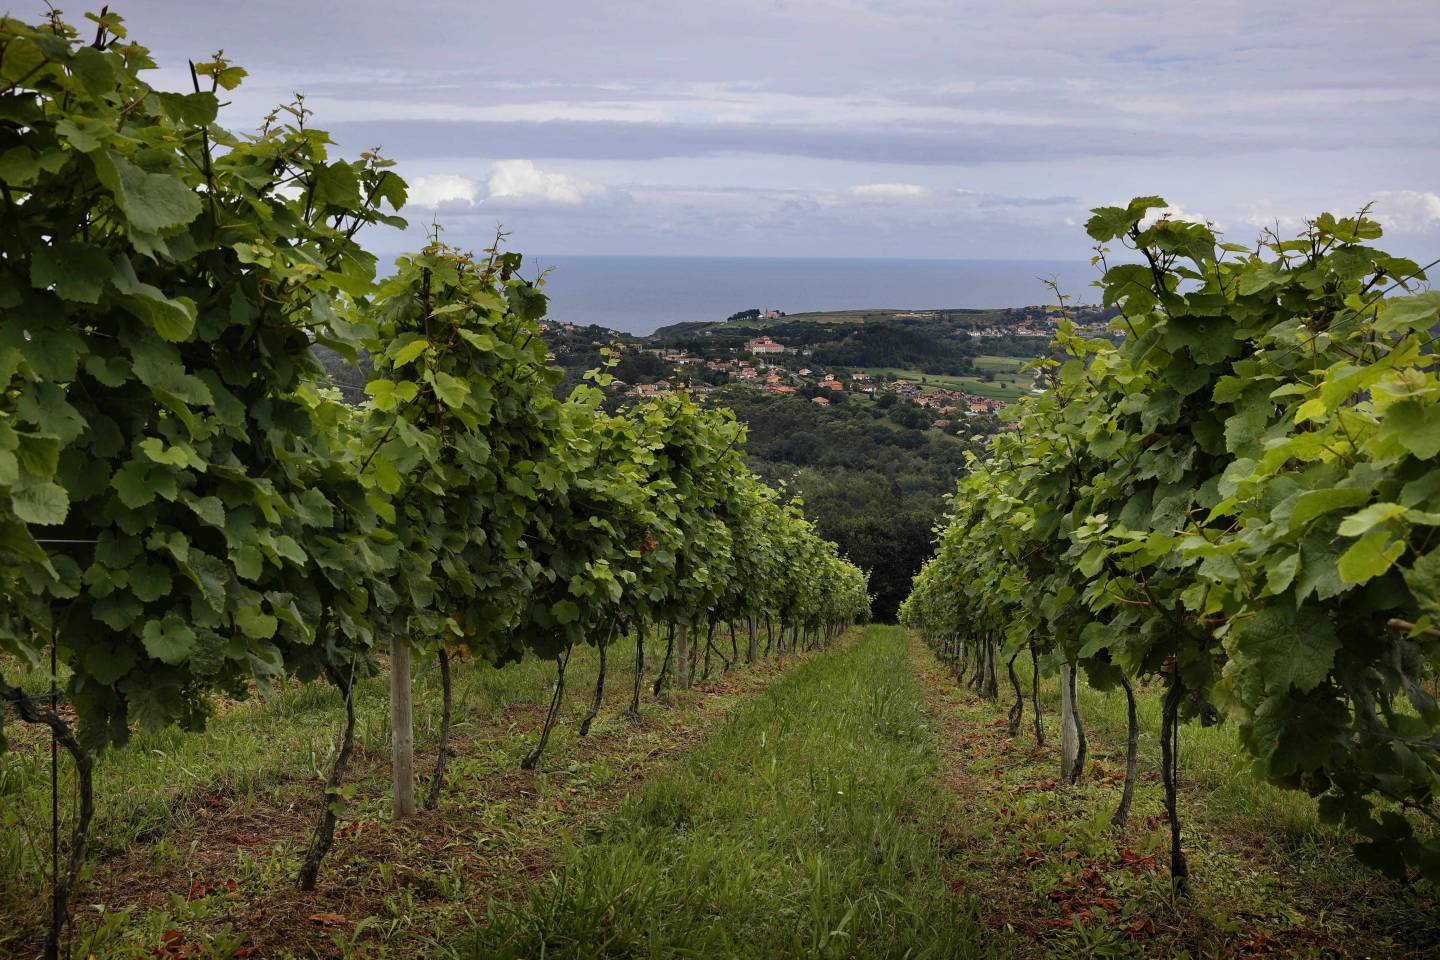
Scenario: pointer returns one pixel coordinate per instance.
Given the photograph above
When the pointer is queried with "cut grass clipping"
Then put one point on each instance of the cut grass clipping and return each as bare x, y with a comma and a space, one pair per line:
798, 829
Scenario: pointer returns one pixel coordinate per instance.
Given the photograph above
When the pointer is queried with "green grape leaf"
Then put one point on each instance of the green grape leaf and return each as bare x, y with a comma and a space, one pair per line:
1415, 425
40, 456
255, 624
93, 69
1246, 426
401, 354
152, 202
169, 640
337, 185
1423, 579
1362, 521
226, 75
249, 562
191, 109
285, 546
133, 483
1287, 648
149, 581
76, 271
209, 509
117, 611
172, 318
44, 503
480, 341
86, 134
176, 456
157, 366
107, 662
1319, 559
1370, 556
1418, 312
451, 390
110, 371
1317, 503
1280, 572
210, 574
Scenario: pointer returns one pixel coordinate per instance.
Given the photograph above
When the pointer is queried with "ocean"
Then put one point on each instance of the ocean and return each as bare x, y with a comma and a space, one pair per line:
639, 294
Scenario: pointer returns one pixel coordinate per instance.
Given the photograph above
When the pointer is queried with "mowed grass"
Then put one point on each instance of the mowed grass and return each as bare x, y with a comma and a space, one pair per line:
804, 827
1001, 364
202, 834
1267, 878
1007, 383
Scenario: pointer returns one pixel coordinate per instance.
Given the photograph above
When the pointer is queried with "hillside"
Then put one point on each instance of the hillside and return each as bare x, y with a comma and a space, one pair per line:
873, 474
942, 341
753, 321
872, 450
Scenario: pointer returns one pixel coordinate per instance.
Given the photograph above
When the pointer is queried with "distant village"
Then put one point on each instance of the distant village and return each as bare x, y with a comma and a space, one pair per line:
1027, 322
770, 366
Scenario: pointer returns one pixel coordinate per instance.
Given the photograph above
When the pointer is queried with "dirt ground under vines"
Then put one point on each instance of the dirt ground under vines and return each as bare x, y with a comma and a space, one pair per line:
1056, 879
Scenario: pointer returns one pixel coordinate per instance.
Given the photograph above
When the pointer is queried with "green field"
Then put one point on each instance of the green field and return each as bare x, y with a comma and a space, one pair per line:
1008, 383
1001, 364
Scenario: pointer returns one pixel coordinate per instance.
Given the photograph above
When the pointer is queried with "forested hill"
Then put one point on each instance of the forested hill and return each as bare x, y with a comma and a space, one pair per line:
942, 341
873, 475
939, 341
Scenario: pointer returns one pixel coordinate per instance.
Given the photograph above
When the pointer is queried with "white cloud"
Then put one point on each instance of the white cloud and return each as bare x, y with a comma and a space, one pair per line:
509, 180
683, 103
1173, 212
891, 191
442, 189
522, 180
1408, 211
1398, 211
1281, 222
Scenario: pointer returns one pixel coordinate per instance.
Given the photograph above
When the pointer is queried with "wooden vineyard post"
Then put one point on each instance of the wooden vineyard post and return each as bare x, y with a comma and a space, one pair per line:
1069, 727
402, 729
682, 657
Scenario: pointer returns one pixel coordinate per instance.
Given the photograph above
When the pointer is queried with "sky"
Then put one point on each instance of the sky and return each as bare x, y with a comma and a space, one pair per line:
846, 128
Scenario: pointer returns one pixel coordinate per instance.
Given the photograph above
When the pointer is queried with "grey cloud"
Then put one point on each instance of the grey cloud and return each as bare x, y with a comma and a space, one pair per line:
991, 202
1041, 107
603, 140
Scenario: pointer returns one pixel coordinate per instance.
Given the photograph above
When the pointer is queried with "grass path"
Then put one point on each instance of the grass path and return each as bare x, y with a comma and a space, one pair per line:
198, 837
854, 803
805, 826
1057, 880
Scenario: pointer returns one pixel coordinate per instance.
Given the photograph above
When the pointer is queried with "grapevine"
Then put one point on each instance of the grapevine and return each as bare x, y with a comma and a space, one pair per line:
188, 508
1241, 500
